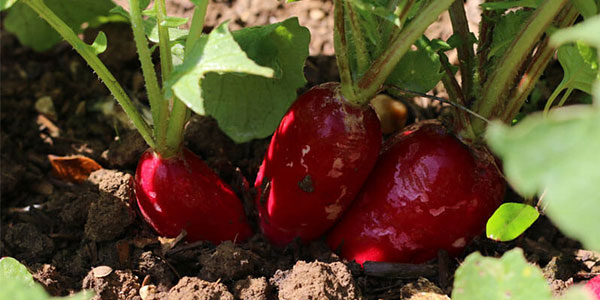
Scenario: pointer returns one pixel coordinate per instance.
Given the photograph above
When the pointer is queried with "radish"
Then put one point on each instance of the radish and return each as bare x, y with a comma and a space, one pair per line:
183, 193
317, 161
428, 191
328, 141
594, 286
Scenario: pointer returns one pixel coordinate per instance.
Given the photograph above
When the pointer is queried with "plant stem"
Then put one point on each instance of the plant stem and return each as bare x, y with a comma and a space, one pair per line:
383, 66
158, 105
166, 61
466, 54
535, 69
96, 64
180, 112
493, 98
362, 55
565, 96
197, 25
552, 97
340, 44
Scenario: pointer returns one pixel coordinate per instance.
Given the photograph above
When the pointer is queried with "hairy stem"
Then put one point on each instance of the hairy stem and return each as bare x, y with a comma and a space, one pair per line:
383, 66
496, 89
535, 68
180, 112
96, 64
166, 61
158, 105
362, 55
466, 54
341, 52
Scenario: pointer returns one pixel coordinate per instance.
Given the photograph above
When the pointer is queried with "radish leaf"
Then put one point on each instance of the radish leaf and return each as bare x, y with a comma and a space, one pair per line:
11, 268
418, 70
558, 156
17, 283
249, 106
508, 277
6, 4
580, 65
34, 32
217, 52
510, 220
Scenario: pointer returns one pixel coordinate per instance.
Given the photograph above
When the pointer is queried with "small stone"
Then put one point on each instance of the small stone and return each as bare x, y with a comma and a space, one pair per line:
316, 14
147, 291
44, 105
102, 271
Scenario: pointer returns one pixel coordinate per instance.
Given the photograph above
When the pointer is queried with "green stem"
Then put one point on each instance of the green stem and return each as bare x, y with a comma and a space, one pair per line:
158, 105
180, 112
552, 97
362, 55
383, 66
543, 55
461, 120
96, 64
497, 87
565, 97
197, 25
341, 52
466, 54
166, 61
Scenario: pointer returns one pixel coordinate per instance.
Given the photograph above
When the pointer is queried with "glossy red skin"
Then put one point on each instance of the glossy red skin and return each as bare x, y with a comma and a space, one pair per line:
333, 142
594, 286
184, 193
427, 192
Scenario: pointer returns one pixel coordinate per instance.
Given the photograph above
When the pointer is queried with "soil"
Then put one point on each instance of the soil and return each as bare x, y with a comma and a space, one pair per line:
90, 235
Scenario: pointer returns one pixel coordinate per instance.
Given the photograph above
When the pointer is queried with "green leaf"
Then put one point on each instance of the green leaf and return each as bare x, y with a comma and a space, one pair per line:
12, 269
503, 5
249, 107
505, 31
174, 21
557, 156
509, 277
6, 4
510, 220
100, 43
586, 31
580, 65
17, 284
217, 52
418, 70
34, 32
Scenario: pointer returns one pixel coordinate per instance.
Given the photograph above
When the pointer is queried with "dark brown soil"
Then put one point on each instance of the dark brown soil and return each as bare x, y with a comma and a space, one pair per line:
90, 235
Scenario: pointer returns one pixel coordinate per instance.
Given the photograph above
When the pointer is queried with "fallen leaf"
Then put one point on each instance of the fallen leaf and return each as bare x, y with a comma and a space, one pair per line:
74, 168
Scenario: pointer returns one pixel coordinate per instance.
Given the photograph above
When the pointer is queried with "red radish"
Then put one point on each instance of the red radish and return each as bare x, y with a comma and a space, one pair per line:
594, 286
183, 193
428, 191
318, 159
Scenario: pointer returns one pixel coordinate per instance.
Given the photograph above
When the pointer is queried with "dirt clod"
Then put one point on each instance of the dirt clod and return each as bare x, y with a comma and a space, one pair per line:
10, 174
251, 289
29, 242
126, 149
160, 273
118, 285
227, 262
112, 213
192, 288
316, 280
50, 278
